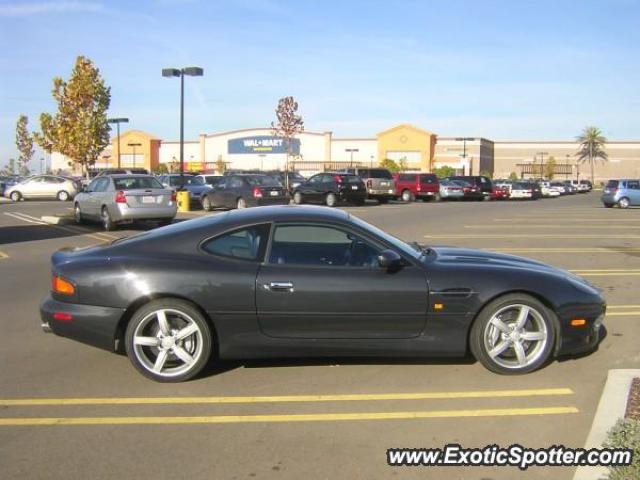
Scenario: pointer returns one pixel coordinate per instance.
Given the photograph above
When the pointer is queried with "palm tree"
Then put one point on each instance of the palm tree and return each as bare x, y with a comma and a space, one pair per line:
591, 147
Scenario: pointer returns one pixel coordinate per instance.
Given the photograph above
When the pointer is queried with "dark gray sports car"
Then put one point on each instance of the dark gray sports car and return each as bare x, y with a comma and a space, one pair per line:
295, 281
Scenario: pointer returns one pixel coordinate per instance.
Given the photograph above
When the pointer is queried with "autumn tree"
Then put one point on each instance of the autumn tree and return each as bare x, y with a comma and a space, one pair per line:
287, 126
221, 165
79, 128
550, 168
24, 143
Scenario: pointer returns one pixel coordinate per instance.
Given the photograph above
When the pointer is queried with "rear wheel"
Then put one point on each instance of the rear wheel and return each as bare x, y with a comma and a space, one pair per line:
407, 196
63, 196
241, 203
437, 197
168, 340
206, 203
624, 202
15, 196
297, 198
514, 334
77, 214
107, 223
331, 200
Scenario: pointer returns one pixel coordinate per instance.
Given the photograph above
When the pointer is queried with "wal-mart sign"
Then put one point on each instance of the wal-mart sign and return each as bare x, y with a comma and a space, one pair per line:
262, 144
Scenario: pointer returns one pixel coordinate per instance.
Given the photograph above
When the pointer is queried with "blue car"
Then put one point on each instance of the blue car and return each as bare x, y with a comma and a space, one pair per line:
624, 193
194, 184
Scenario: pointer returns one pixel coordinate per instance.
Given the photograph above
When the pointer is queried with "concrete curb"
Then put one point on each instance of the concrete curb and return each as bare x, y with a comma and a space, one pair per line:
612, 406
55, 220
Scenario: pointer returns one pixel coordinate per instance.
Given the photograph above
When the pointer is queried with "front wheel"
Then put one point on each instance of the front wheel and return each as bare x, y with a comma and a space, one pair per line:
15, 196
512, 335
168, 340
331, 200
62, 196
624, 202
297, 198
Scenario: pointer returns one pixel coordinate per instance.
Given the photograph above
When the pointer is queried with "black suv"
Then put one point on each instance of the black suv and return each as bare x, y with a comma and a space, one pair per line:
331, 188
379, 181
480, 181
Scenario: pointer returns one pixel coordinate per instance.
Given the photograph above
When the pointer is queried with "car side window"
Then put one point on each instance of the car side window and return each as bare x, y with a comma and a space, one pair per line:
93, 184
235, 182
328, 179
244, 244
102, 185
320, 245
633, 185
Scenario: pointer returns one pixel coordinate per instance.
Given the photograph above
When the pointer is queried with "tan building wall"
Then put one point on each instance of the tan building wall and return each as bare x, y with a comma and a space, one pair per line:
146, 153
407, 141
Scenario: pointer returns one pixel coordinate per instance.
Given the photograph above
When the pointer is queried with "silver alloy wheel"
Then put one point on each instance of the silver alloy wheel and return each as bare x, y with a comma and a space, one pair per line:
206, 203
15, 196
406, 196
63, 196
515, 336
331, 200
623, 202
297, 198
241, 203
168, 342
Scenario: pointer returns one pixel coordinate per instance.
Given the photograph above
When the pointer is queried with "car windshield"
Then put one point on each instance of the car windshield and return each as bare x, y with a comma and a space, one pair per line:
612, 184
262, 181
132, 183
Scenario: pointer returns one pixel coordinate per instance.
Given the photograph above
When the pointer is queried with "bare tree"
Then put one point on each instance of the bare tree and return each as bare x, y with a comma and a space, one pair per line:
287, 126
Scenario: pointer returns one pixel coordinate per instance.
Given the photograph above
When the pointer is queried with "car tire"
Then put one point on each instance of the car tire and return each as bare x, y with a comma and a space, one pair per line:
206, 203
154, 344
624, 202
63, 196
15, 196
77, 214
407, 196
297, 198
497, 338
437, 197
241, 203
107, 222
331, 200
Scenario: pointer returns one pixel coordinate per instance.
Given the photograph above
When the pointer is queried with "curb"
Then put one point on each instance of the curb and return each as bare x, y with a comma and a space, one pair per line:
54, 220
612, 406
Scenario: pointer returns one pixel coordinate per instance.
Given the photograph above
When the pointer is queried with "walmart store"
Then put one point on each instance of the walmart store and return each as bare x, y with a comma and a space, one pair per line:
259, 149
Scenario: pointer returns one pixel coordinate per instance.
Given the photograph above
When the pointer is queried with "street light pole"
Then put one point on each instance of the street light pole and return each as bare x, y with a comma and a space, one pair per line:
542, 154
134, 145
181, 72
351, 151
464, 151
118, 121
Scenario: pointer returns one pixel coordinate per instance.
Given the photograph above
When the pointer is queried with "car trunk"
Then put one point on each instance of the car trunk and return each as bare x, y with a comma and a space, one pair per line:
147, 198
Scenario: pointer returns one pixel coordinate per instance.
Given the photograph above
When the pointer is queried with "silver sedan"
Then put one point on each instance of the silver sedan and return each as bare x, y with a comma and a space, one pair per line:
116, 199
44, 186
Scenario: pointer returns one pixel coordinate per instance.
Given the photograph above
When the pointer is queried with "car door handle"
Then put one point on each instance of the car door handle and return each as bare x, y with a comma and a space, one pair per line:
279, 287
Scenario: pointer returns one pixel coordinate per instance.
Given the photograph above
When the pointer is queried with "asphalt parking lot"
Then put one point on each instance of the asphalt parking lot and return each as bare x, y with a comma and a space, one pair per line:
72, 411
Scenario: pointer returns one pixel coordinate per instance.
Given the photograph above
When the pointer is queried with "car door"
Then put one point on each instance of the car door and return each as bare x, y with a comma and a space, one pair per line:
633, 187
32, 188
216, 195
313, 188
321, 281
234, 191
96, 196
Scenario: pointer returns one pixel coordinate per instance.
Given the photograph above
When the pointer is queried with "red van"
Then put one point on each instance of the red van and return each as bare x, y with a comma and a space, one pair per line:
410, 186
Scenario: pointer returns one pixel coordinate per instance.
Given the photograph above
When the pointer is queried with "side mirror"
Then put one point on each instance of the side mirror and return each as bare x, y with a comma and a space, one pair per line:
390, 260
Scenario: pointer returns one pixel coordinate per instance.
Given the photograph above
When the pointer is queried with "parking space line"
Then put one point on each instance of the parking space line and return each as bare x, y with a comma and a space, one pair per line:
3, 256
104, 237
563, 250
624, 314
608, 273
549, 225
566, 219
531, 235
312, 417
286, 398
616, 307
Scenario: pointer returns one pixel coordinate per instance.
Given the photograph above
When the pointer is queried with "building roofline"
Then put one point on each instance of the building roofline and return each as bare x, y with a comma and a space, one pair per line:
353, 139
228, 132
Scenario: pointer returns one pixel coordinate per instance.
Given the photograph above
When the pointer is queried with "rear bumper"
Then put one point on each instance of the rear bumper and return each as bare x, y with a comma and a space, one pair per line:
265, 201
89, 324
123, 212
608, 198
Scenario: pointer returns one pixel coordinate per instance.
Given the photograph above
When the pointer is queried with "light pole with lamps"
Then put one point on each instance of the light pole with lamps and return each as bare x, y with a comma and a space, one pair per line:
134, 145
181, 72
351, 151
464, 141
542, 154
118, 121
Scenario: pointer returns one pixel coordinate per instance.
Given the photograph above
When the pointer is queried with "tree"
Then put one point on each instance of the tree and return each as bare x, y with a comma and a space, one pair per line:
403, 164
592, 144
79, 129
513, 176
390, 165
444, 171
221, 166
287, 126
24, 143
161, 169
550, 168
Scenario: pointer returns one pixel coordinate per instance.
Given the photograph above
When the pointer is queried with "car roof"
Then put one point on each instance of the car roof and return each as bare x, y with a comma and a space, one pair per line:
129, 175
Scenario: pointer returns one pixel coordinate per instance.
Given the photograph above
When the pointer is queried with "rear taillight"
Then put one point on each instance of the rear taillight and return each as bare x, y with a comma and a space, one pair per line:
120, 197
337, 178
466, 189
527, 191
174, 196
62, 286
418, 188
257, 193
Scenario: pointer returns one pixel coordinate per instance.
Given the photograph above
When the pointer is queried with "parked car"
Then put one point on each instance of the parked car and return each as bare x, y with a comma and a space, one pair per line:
44, 186
499, 193
451, 190
572, 187
294, 179
623, 192
483, 183
379, 182
561, 187
585, 185
210, 179
8, 181
412, 186
331, 189
521, 190
308, 281
245, 190
536, 188
117, 199
193, 184
548, 191
469, 190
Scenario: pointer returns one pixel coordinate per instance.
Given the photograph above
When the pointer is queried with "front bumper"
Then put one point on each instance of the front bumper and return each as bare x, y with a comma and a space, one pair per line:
90, 324
576, 340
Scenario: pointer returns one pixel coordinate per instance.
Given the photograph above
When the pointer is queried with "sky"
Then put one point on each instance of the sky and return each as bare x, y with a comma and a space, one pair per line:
504, 70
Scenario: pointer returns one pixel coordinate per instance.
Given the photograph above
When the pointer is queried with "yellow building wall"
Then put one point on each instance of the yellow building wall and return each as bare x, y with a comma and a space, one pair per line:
149, 149
408, 138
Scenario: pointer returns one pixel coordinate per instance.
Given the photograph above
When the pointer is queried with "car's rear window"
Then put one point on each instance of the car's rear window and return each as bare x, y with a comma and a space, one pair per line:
185, 180
612, 184
350, 178
132, 183
262, 181
428, 178
380, 173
